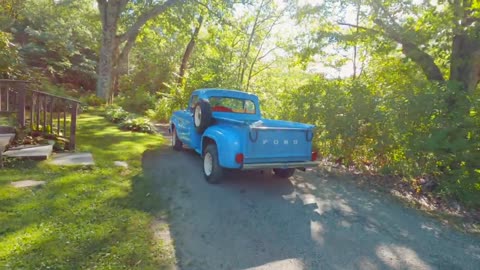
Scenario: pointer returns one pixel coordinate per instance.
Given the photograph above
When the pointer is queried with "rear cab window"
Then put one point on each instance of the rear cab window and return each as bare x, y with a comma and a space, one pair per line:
232, 105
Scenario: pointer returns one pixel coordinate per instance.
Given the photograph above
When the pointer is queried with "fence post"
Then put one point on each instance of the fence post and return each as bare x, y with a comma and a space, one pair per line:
21, 105
73, 125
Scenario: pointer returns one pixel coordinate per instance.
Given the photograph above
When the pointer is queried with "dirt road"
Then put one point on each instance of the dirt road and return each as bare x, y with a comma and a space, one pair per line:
257, 221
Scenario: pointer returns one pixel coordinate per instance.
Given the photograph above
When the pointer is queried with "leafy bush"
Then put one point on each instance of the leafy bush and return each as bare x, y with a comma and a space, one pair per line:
408, 130
163, 110
128, 121
137, 100
93, 100
139, 124
116, 114
10, 59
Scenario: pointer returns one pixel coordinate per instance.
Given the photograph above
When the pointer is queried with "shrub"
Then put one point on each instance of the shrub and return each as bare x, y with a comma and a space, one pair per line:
93, 100
164, 108
139, 124
128, 121
138, 100
116, 114
408, 130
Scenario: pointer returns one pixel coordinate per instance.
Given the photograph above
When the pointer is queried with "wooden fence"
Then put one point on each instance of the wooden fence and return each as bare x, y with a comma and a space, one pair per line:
39, 111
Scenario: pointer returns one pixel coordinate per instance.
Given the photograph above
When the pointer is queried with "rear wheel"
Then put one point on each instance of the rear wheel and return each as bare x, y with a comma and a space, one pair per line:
176, 143
284, 173
212, 170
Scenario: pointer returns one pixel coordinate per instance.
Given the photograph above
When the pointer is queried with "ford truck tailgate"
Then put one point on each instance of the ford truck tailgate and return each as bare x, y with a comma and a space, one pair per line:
267, 144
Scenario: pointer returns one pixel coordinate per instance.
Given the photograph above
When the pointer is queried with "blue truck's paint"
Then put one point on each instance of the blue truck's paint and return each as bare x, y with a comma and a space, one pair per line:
261, 141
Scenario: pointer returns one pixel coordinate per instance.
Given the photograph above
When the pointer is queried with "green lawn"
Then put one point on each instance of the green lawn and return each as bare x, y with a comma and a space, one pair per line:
99, 217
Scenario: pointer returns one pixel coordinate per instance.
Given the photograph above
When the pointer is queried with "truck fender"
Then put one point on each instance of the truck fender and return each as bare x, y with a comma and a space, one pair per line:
173, 123
228, 145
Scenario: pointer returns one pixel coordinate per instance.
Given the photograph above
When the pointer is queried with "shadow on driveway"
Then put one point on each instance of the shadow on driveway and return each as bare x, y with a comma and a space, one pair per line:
256, 221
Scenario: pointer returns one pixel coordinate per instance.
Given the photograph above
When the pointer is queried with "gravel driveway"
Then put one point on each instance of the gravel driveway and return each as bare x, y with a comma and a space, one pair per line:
257, 221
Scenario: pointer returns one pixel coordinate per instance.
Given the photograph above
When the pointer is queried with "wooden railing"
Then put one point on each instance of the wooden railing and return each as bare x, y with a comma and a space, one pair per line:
39, 111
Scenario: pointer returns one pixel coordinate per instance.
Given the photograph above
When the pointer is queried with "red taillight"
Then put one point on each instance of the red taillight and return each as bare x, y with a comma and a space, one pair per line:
314, 156
239, 158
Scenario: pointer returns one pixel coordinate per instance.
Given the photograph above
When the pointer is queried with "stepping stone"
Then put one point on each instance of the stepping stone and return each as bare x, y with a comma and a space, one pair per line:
120, 164
35, 152
68, 159
27, 183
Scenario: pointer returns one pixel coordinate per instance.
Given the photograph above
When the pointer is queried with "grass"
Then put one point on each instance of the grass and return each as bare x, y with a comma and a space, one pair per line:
84, 217
6, 120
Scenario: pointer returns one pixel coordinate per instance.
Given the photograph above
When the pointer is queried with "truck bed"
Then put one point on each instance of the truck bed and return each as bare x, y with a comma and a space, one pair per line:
274, 141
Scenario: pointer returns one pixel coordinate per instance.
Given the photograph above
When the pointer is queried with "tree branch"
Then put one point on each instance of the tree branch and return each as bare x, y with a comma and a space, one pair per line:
395, 31
142, 19
267, 53
361, 27
412, 51
222, 20
262, 69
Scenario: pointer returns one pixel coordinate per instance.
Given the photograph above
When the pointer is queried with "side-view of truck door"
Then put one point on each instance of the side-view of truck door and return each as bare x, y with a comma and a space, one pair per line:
185, 127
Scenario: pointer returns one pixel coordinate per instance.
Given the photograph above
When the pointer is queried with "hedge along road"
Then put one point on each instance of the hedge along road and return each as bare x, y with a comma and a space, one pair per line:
258, 221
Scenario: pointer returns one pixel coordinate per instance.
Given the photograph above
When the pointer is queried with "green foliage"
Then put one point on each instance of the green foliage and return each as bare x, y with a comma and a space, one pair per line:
116, 114
8, 120
9, 57
163, 110
128, 121
85, 217
59, 39
92, 100
137, 100
139, 124
411, 130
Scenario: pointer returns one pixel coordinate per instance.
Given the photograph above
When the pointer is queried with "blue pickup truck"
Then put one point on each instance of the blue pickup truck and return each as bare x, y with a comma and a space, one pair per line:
226, 128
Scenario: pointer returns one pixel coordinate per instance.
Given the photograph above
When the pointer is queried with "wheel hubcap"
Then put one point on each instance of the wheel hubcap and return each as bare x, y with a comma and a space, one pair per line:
208, 164
174, 138
198, 116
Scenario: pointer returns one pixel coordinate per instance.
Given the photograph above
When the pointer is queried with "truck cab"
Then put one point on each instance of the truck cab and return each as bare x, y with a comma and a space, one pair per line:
226, 128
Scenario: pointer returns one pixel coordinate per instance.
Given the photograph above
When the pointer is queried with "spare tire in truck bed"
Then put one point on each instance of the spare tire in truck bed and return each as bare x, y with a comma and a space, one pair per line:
202, 116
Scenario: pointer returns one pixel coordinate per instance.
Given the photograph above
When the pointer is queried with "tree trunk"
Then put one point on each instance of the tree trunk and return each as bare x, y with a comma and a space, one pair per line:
465, 62
110, 11
355, 47
188, 53
244, 60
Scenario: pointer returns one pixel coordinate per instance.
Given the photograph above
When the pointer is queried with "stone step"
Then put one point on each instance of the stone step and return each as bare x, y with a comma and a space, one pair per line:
5, 139
33, 152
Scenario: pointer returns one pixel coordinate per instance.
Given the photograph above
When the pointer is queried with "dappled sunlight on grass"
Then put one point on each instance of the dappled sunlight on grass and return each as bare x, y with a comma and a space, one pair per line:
84, 217
24, 239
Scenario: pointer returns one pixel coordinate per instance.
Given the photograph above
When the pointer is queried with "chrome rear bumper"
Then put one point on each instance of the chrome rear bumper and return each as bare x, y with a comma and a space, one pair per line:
280, 165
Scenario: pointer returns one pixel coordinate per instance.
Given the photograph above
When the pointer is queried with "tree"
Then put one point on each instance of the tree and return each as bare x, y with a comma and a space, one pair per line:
258, 30
57, 39
188, 52
430, 35
115, 47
